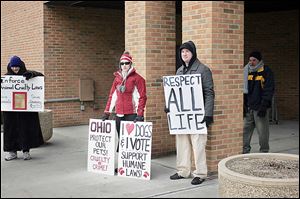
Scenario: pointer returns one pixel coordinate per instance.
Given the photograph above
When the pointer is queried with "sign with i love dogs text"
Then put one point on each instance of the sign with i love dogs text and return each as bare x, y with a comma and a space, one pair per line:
135, 145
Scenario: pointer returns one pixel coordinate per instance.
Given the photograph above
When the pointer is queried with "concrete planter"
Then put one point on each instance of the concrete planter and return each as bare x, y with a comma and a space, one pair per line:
234, 184
46, 119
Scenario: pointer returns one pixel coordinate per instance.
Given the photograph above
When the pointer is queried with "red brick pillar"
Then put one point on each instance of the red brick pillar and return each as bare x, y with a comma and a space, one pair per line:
217, 29
22, 33
150, 37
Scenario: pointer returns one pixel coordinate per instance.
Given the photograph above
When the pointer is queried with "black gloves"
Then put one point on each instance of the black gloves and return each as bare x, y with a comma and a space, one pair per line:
262, 111
105, 116
166, 110
208, 119
138, 119
28, 75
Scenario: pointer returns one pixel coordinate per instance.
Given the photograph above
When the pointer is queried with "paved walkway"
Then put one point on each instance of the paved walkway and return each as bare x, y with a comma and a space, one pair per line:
59, 169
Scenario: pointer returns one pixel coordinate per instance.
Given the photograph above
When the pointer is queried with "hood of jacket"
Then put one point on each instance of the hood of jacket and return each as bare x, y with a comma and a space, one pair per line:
191, 47
20, 72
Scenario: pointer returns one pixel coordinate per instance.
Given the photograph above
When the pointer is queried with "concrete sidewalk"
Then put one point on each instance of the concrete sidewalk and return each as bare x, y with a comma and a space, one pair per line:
59, 169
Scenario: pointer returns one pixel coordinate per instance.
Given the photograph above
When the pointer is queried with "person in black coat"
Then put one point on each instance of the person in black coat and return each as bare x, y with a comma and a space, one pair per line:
259, 89
193, 145
22, 130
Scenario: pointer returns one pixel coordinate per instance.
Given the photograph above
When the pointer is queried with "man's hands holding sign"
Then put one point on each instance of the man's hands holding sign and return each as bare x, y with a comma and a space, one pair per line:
208, 119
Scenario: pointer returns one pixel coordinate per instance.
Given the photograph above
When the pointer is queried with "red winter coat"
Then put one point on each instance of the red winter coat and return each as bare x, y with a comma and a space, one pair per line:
133, 100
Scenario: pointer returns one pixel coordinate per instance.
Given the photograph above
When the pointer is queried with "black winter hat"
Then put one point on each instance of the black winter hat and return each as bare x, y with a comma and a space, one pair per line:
15, 61
191, 47
188, 45
255, 54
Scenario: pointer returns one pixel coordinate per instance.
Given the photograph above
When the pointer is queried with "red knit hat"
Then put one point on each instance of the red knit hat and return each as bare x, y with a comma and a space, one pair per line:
126, 56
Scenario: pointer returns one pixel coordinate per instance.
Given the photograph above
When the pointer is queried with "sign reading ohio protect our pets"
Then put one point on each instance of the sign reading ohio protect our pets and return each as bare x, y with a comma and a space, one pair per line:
101, 146
184, 98
135, 145
19, 94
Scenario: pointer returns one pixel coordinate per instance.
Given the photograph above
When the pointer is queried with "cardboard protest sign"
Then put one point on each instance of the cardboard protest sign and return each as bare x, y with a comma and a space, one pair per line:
135, 150
19, 94
101, 146
184, 98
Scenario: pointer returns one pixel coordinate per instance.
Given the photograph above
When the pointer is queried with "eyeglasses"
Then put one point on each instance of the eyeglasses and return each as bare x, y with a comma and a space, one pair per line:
124, 63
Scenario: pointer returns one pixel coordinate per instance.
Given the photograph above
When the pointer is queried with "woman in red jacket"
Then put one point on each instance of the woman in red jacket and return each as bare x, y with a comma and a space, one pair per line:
127, 94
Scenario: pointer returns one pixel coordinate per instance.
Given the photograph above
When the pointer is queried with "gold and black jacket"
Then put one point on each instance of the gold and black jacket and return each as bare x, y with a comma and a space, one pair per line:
261, 88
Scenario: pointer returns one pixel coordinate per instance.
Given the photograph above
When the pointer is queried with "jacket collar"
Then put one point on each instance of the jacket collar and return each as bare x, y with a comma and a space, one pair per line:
194, 67
119, 73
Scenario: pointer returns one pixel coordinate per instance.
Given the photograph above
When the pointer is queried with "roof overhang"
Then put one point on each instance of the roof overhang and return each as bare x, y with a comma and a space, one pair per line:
250, 6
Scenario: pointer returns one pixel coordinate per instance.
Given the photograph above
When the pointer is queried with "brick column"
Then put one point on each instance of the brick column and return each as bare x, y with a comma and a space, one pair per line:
150, 37
22, 33
217, 29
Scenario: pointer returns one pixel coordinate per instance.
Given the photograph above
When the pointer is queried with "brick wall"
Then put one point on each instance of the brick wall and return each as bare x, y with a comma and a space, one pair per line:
22, 33
80, 43
150, 36
67, 43
276, 35
217, 30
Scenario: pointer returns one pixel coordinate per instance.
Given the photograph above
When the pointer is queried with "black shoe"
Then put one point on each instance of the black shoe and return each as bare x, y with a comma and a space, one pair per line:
176, 177
197, 180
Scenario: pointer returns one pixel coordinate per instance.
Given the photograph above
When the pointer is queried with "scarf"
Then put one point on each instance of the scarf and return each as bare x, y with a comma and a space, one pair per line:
122, 86
249, 69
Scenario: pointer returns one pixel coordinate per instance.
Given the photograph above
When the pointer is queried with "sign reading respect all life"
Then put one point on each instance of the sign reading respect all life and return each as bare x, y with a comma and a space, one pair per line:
19, 94
184, 98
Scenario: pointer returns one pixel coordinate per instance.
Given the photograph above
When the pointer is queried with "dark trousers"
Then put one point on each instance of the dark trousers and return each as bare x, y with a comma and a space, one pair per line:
129, 117
252, 121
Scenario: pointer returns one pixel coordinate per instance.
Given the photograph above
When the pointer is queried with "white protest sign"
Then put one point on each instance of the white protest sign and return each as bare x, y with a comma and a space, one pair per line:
101, 146
184, 98
135, 145
19, 94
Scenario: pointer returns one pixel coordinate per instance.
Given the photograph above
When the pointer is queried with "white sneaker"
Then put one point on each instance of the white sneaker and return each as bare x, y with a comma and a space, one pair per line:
26, 155
11, 155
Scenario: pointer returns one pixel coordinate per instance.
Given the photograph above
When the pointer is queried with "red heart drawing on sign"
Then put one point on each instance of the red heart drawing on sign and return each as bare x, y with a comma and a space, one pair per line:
146, 174
121, 171
129, 128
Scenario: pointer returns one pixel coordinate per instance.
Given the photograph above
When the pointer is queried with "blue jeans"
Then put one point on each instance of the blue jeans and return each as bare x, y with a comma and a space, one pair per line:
261, 124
